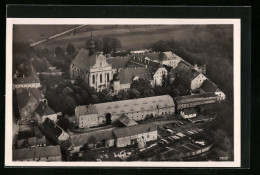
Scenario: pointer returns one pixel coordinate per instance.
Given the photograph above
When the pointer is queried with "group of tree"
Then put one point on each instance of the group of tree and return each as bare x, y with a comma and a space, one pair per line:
107, 45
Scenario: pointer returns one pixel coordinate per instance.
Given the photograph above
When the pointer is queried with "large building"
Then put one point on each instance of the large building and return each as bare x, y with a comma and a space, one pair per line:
136, 109
131, 135
188, 76
28, 100
191, 101
92, 67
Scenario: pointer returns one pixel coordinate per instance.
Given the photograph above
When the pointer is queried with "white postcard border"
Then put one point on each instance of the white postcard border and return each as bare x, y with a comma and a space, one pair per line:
125, 21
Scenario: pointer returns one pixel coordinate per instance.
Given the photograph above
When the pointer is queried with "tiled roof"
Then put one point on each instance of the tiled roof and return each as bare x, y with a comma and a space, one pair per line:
24, 95
134, 130
208, 86
85, 110
171, 56
27, 80
192, 98
151, 55
118, 62
184, 71
35, 92
133, 105
22, 98
83, 60
44, 109
127, 75
32, 141
36, 152
125, 120
100, 135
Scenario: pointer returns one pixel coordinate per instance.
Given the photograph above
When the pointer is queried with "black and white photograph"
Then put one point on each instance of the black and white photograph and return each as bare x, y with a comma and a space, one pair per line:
123, 92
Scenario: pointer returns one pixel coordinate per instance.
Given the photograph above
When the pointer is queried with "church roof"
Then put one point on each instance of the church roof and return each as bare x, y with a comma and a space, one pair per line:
83, 60
118, 62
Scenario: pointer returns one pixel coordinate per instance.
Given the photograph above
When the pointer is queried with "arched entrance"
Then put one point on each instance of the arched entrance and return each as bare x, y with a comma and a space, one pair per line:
108, 119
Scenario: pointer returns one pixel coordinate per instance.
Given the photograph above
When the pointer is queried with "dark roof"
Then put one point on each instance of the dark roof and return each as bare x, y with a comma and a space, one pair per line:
22, 98
36, 152
196, 97
118, 62
208, 86
100, 135
32, 141
134, 130
151, 55
127, 75
125, 120
83, 60
189, 111
50, 126
44, 109
27, 80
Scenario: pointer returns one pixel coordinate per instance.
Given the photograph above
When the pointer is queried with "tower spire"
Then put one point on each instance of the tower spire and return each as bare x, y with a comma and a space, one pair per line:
91, 44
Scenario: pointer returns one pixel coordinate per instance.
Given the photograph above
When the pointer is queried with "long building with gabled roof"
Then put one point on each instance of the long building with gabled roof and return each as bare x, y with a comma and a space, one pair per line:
135, 109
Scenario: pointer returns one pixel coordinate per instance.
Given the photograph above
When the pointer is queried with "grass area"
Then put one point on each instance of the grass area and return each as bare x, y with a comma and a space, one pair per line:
131, 38
22, 33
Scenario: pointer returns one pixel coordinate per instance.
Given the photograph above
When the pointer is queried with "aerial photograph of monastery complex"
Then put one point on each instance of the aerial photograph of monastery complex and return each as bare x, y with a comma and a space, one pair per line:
122, 93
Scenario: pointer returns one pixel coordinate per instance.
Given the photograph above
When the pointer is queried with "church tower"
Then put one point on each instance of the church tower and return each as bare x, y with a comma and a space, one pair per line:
91, 46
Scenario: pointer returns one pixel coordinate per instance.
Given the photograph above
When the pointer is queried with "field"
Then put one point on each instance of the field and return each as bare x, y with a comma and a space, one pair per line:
131, 37
24, 33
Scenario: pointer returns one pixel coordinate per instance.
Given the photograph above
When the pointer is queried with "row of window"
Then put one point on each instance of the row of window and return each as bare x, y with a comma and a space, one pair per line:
100, 78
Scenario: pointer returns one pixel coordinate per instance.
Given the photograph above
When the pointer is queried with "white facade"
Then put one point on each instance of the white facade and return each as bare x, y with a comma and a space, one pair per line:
147, 137
27, 85
186, 116
220, 94
100, 74
197, 82
157, 77
86, 121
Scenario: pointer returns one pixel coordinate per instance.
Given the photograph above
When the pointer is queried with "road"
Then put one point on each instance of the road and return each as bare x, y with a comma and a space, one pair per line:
56, 35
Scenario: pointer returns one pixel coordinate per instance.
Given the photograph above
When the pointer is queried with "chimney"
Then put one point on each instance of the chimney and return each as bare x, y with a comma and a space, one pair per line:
146, 66
23, 75
135, 67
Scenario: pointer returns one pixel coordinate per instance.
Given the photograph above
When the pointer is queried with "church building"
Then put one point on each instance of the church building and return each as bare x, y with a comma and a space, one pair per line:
92, 66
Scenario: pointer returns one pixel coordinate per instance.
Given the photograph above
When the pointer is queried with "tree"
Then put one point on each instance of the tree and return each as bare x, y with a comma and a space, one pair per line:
70, 49
111, 44
122, 95
141, 85
148, 93
59, 51
94, 99
64, 123
69, 105
133, 93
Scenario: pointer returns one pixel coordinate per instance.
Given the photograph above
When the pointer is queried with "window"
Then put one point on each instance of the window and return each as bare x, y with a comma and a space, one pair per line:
93, 79
100, 78
107, 77
147, 135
